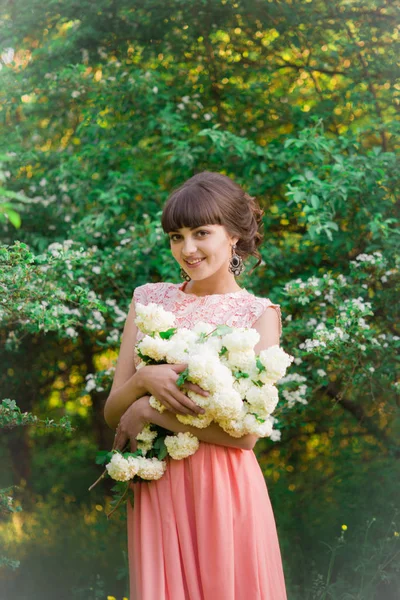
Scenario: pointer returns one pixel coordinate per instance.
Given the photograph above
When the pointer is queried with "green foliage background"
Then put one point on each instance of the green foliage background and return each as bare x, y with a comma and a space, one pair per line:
105, 107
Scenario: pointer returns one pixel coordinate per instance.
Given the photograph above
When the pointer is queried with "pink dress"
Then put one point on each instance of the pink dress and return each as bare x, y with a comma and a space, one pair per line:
205, 530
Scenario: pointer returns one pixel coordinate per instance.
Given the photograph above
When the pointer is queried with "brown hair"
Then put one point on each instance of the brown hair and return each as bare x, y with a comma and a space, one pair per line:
211, 198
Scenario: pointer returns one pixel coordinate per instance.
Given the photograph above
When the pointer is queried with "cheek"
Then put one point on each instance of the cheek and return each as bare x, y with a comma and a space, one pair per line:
174, 251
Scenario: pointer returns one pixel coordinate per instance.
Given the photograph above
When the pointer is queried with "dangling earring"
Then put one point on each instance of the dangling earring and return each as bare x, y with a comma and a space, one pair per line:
184, 275
236, 265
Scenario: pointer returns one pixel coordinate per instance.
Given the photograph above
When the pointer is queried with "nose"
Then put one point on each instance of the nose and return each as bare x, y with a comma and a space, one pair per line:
189, 247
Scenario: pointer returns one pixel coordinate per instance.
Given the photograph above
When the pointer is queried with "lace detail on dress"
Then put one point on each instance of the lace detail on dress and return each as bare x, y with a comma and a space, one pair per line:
237, 309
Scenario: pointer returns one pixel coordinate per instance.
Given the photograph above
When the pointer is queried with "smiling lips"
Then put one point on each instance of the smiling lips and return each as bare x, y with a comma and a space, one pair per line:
194, 262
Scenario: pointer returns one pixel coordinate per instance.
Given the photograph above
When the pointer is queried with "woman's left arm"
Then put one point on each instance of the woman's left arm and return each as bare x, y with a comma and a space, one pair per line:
140, 413
268, 326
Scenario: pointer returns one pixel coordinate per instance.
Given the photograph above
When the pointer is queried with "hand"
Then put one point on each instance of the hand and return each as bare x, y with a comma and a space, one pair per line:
160, 382
131, 424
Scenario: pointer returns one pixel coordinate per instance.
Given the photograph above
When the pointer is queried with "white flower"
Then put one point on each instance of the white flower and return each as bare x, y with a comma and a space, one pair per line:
235, 428
275, 435
208, 373
276, 361
263, 400
150, 468
181, 445
145, 439
321, 373
200, 421
155, 348
176, 351
71, 332
118, 468
293, 396
226, 404
153, 318
202, 327
255, 427
241, 340
244, 361
154, 403
242, 386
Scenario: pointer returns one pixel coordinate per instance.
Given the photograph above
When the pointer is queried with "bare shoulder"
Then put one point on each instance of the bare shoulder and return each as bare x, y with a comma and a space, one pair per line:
268, 324
125, 366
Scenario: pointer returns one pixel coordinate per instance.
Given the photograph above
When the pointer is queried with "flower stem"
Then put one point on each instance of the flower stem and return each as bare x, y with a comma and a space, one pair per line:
119, 501
98, 480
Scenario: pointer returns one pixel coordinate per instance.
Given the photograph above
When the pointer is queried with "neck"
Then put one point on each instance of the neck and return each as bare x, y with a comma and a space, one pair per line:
212, 285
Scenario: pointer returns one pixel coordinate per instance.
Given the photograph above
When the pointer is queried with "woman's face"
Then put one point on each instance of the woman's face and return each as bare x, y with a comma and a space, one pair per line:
202, 251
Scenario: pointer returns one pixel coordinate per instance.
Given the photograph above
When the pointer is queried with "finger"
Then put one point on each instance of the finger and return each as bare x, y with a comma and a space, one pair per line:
166, 404
133, 443
195, 388
179, 368
188, 403
178, 408
120, 441
116, 437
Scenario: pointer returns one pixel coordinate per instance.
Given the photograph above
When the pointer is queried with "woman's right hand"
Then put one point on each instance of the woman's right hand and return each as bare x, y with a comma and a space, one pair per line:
160, 382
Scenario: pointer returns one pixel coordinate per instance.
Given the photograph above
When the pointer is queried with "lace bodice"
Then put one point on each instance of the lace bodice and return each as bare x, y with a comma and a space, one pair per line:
236, 309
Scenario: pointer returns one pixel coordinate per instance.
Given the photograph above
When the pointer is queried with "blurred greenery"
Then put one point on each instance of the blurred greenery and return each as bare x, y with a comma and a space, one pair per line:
105, 107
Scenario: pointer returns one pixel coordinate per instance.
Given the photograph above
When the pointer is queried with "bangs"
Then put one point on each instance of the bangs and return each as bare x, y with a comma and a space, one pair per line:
190, 206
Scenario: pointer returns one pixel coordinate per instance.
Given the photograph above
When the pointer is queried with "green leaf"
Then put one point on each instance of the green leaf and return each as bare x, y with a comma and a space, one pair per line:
103, 456
258, 418
166, 335
240, 374
147, 359
182, 377
119, 486
157, 443
258, 383
315, 201
223, 351
260, 366
162, 452
222, 330
14, 218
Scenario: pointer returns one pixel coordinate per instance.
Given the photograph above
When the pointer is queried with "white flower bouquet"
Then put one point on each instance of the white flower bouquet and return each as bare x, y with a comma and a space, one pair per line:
221, 360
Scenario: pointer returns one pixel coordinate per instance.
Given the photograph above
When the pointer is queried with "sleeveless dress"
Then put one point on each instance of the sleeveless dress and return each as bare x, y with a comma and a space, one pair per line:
205, 530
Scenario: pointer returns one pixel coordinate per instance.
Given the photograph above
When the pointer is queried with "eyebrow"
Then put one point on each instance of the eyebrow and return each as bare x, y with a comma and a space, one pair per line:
191, 229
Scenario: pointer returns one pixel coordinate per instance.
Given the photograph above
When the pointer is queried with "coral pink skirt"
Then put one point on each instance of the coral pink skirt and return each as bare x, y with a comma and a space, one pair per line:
205, 531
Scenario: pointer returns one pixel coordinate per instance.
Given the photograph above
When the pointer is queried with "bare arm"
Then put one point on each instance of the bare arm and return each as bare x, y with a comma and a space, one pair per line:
127, 386
158, 380
268, 326
213, 434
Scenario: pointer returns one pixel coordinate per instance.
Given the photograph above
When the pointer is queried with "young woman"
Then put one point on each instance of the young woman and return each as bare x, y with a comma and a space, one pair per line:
205, 530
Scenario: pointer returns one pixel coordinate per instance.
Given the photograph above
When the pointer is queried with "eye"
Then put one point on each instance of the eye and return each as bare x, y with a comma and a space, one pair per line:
202, 232
173, 237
